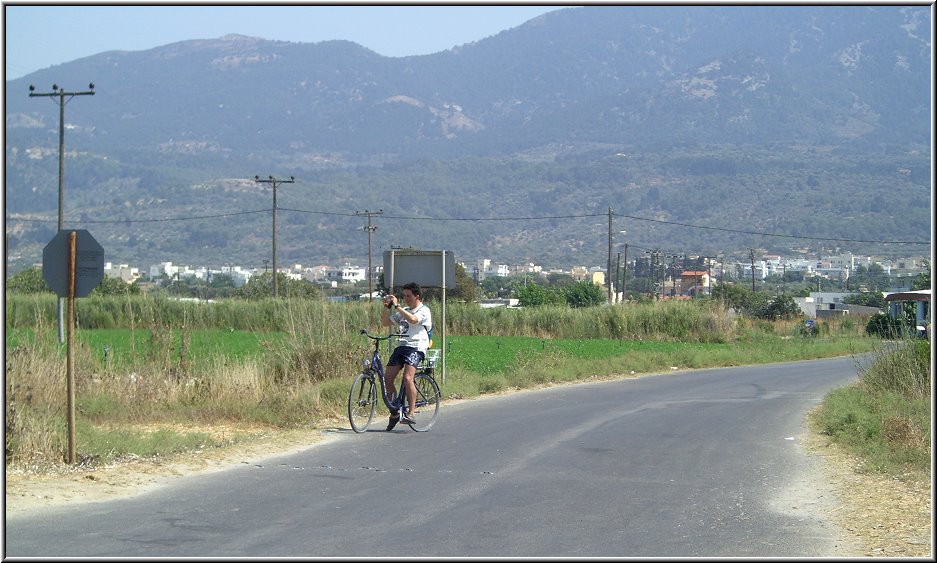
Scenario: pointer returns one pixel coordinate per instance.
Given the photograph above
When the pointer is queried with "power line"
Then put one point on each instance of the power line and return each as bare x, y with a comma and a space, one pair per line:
772, 234
164, 220
411, 218
320, 212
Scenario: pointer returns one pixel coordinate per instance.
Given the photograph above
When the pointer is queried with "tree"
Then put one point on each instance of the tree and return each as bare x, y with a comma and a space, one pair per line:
28, 281
560, 280
464, 286
923, 279
867, 299
464, 290
883, 326
221, 281
742, 299
782, 307
872, 278
533, 295
733, 295
115, 286
261, 287
497, 286
584, 294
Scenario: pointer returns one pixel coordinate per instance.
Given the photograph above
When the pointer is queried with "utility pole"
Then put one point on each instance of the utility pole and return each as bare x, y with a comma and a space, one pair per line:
273, 181
784, 278
647, 278
608, 270
624, 276
370, 230
61, 94
673, 274
656, 274
751, 255
709, 273
617, 274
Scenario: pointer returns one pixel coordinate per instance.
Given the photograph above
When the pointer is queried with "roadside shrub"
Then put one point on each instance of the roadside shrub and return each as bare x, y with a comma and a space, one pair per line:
28, 281
904, 369
533, 295
584, 294
883, 326
782, 307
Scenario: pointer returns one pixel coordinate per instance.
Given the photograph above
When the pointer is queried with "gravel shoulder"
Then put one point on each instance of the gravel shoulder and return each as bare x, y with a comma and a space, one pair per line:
880, 516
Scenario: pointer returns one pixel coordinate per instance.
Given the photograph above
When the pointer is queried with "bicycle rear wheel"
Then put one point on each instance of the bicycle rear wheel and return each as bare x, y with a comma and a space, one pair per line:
427, 402
361, 402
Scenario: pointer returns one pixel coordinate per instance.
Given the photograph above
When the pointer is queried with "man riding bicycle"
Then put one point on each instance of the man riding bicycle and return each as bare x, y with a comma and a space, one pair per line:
414, 323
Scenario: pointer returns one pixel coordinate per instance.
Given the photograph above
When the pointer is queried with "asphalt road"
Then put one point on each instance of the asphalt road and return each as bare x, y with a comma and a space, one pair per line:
686, 464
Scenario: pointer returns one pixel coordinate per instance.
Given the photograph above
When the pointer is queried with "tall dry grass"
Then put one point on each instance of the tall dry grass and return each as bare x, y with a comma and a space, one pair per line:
690, 321
36, 404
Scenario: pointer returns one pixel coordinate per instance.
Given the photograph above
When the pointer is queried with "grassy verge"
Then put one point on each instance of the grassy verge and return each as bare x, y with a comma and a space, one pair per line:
885, 418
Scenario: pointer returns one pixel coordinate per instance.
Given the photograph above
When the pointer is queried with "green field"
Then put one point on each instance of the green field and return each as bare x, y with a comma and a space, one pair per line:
502, 354
117, 348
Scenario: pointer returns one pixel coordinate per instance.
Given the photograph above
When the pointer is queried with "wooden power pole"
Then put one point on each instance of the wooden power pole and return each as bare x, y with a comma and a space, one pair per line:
273, 181
370, 230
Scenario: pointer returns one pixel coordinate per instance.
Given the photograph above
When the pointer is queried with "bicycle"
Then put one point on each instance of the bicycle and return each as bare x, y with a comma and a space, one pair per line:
362, 399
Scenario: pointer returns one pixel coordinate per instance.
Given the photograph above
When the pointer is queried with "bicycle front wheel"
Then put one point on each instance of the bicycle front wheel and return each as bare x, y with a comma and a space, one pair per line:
361, 402
427, 402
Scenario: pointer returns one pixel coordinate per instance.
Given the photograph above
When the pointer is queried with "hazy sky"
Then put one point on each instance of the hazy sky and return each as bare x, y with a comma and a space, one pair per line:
40, 36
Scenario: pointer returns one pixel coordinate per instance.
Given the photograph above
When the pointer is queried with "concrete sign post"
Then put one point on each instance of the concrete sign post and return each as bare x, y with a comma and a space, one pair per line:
72, 265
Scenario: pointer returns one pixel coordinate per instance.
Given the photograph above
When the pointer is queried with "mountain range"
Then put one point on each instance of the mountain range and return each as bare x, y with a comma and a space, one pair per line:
806, 121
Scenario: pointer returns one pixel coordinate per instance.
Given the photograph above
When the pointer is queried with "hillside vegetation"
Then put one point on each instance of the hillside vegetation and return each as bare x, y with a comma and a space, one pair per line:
508, 209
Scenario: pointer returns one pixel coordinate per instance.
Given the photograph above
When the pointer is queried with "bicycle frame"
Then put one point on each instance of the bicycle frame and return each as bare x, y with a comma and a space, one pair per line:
378, 366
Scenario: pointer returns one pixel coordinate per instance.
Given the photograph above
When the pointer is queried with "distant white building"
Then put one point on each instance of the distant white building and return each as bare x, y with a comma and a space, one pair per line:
346, 274
798, 265
123, 272
842, 261
745, 270
528, 268
834, 273
492, 303
162, 269
239, 276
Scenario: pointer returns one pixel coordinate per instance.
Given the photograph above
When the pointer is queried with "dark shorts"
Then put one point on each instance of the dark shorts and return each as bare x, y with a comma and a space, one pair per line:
405, 355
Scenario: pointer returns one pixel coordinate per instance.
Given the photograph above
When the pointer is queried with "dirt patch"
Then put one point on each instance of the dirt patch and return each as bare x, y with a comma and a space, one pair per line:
885, 516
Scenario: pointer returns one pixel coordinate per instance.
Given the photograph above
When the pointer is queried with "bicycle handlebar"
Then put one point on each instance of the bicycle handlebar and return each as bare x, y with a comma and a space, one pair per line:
365, 332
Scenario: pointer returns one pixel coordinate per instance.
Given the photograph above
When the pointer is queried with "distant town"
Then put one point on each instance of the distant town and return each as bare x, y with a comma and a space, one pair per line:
675, 281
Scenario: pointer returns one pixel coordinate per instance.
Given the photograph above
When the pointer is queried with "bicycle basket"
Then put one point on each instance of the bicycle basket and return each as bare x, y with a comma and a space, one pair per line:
429, 362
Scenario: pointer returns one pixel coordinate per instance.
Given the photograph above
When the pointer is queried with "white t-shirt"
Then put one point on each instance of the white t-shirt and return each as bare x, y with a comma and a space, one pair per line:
414, 335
